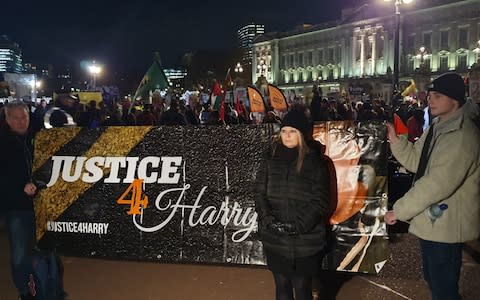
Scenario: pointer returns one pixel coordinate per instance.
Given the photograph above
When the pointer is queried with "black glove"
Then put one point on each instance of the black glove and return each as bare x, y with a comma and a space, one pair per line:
280, 228
40, 185
265, 221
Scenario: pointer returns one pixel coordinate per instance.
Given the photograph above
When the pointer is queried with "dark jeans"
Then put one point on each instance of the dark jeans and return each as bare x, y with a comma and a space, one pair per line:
441, 268
285, 285
21, 235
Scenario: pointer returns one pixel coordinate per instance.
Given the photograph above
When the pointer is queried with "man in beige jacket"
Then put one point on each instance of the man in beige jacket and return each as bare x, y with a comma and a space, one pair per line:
443, 205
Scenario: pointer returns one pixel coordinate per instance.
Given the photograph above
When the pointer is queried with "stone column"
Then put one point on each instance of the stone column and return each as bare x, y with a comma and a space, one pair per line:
474, 83
354, 54
343, 62
387, 51
254, 64
374, 52
275, 63
362, 55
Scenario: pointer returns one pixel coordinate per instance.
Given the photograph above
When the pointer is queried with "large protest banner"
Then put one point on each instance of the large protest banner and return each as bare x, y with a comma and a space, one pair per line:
358, 152
184, 194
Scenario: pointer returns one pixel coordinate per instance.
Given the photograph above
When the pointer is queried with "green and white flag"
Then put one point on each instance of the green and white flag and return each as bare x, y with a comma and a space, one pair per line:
154, 79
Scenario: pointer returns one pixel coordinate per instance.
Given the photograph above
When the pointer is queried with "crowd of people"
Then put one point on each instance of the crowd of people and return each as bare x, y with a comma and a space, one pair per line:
332, 109
292, 186
128, 113
172, 110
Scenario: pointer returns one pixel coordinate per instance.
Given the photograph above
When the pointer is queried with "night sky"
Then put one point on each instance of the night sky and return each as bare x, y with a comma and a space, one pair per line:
122, 35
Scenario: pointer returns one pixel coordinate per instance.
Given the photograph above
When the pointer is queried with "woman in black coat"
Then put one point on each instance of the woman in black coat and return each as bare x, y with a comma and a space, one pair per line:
292, 201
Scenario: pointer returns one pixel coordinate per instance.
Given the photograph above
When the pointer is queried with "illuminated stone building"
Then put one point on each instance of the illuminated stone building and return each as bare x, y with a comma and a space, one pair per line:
359, 48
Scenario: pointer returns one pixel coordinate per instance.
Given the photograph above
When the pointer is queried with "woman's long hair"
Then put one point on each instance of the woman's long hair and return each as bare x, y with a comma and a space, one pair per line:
303, 148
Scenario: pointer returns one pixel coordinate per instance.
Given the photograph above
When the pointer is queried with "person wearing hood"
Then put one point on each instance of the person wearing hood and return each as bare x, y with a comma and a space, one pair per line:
292, 202
442, 206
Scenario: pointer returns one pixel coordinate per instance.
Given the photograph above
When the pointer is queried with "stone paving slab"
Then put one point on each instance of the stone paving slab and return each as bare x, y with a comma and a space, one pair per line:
86, 279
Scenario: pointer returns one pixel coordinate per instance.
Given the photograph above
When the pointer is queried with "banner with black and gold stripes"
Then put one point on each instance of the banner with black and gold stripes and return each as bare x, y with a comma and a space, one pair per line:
184, 194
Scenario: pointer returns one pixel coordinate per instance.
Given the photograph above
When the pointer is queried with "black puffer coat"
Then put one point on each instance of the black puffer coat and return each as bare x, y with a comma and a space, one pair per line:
282, 194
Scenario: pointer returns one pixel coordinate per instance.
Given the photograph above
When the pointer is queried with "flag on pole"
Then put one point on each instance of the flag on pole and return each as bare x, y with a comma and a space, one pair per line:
256, 100
240, 108
411, 89
221, 111
228, 79
216, 96
152, 80
277, 99
228, 84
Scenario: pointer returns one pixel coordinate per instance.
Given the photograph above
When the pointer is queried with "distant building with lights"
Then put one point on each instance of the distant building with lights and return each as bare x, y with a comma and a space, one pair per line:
359, 48
246, 35
10, 56
64, 72
173, 74
176, 77
30, 68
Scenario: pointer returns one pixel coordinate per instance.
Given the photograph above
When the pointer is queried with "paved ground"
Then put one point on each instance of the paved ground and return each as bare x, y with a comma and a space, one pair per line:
87, 279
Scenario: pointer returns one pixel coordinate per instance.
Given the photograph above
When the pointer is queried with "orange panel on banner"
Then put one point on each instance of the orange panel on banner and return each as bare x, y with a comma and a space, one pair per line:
256, 100
277, 99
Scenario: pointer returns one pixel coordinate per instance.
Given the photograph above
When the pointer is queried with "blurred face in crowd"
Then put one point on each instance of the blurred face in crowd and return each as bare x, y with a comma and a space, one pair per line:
290, 136
18, 119
442, 106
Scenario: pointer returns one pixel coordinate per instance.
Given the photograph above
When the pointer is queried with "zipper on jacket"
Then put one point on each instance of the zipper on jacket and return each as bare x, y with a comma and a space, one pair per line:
289, 217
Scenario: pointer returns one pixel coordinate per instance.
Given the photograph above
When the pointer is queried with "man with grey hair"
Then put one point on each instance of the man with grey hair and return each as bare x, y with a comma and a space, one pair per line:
16, 156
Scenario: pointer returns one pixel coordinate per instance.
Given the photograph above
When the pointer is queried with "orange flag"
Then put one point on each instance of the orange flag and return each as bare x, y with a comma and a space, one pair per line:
277, 99
256, 100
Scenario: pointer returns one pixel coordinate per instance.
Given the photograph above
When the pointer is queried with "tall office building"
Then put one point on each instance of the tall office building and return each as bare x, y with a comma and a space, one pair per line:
246, 35
10, 56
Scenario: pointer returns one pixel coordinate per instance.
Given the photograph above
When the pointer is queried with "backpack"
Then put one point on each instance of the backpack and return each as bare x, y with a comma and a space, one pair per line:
45, 283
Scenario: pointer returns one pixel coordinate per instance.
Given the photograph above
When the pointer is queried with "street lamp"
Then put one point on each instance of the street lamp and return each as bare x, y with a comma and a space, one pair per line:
94, 70
238, 74
35, 84
238, 68
396, 53
422, 55
262, 68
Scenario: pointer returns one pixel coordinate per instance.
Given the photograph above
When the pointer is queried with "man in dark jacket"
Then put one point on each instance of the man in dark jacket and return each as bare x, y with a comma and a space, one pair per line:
38, 115
172, 116
316, 104
16, 156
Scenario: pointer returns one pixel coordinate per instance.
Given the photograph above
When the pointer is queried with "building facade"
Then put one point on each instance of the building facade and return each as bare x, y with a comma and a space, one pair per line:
246, 34
10, 56
360, 48
176, 77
